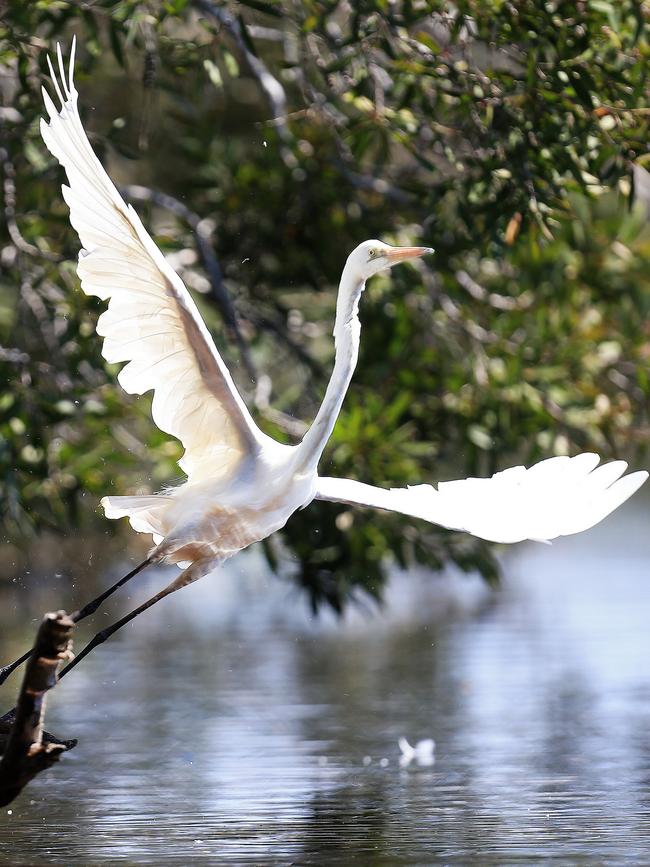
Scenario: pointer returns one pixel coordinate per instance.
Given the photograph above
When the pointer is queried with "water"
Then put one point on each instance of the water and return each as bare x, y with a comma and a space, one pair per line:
227, 727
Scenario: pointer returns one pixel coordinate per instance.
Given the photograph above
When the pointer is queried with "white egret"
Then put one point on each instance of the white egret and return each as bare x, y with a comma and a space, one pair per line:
241, 484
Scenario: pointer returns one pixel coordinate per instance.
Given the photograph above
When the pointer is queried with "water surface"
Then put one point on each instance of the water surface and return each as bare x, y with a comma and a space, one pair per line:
228, 727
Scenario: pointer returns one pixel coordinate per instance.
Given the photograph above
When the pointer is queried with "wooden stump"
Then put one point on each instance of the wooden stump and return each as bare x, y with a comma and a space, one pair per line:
25, 748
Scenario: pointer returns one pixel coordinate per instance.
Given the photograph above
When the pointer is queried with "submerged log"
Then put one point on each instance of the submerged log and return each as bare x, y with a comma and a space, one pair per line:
25, 748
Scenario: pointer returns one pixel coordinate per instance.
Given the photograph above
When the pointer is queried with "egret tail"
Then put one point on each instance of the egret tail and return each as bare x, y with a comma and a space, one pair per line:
145, 513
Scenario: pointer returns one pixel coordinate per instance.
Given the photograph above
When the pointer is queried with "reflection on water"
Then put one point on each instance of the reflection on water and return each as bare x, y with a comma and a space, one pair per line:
227, 727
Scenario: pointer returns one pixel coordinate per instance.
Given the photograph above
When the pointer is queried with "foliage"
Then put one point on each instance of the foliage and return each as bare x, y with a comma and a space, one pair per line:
503, 134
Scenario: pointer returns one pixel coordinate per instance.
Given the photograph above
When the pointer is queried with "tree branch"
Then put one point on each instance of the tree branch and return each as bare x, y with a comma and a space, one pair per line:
9, 190
494, 299
272, 88
277, 327
26, 749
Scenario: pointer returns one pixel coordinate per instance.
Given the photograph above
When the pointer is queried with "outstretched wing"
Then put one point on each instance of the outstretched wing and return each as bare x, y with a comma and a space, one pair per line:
556, 497
151, 321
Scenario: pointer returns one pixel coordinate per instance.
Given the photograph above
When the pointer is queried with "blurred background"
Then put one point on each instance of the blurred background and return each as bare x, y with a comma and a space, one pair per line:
260, 142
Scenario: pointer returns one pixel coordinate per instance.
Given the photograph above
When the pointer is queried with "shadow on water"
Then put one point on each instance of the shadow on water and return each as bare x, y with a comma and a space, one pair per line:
229, 727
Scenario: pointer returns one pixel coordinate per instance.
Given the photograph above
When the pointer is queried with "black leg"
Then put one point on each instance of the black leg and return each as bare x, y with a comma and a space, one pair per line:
101, 637
6, 670
91, 607
84, 612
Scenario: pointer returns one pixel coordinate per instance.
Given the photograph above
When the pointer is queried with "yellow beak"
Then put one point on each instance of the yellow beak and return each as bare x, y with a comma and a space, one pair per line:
402, 254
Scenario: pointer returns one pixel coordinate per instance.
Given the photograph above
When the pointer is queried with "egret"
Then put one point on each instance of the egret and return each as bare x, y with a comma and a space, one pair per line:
241, 484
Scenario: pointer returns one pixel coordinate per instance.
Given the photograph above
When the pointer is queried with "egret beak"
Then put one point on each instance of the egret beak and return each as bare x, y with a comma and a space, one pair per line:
402, 254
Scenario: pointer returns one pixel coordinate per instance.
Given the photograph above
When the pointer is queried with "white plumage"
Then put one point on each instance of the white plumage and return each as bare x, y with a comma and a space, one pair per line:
241, 484
556, 497
151, 321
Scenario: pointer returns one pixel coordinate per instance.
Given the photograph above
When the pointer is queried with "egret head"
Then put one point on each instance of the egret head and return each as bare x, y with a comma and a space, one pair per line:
374, 256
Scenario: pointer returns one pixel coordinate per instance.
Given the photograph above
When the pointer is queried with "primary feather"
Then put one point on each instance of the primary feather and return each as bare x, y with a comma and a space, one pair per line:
151, 321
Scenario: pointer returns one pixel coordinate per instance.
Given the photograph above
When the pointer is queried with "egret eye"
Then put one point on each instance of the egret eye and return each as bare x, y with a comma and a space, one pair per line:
372, 253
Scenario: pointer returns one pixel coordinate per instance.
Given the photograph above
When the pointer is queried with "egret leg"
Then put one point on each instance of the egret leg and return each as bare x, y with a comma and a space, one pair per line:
91, 607
185, 578
84, 612
6, 670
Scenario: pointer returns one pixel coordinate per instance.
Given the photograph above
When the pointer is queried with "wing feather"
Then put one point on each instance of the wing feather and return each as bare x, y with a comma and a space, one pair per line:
555, 497
151, 322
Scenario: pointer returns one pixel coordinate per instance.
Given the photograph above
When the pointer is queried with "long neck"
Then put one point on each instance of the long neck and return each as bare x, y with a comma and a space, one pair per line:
346, 342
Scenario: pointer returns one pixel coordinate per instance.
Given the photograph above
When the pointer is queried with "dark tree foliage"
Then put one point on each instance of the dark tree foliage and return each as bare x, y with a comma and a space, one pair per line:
267, 139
